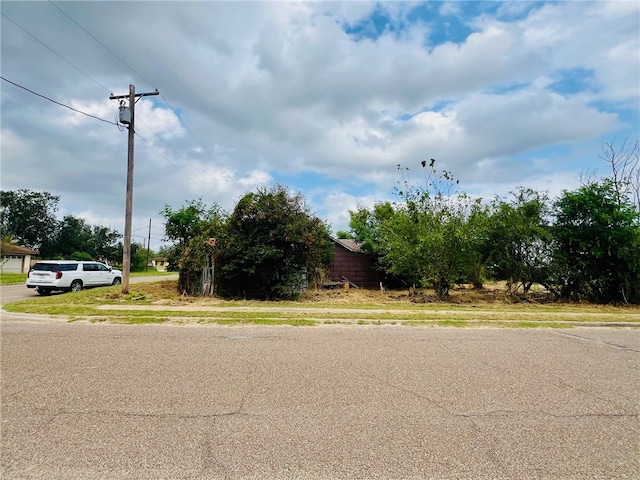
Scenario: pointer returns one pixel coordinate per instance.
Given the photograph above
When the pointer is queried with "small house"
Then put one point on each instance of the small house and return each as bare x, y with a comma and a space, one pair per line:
160, 263
15, 259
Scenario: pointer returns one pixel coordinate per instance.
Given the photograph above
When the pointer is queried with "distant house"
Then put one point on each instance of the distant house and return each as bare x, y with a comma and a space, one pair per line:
160, 263
14, 258
351, 264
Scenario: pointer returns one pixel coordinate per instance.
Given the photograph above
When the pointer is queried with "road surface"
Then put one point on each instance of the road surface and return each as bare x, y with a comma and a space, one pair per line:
105, 401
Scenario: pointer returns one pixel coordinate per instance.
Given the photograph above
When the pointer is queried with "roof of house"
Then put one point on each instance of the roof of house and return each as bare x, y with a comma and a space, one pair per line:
349, 244
11, 249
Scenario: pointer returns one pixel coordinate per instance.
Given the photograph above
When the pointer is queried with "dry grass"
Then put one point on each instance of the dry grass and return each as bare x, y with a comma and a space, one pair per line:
496, 293
160, 302
494, 296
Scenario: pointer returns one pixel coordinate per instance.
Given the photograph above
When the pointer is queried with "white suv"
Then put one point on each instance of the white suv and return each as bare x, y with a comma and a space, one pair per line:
70, 276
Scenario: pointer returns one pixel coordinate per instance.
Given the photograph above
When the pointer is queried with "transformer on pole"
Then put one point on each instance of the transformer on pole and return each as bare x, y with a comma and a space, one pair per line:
127, 117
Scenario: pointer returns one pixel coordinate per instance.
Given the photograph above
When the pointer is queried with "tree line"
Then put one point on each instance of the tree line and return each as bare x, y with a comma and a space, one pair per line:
28, 218
584, 245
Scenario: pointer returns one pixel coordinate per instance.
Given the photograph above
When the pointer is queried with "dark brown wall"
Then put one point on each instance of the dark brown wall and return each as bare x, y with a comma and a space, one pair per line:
355, 267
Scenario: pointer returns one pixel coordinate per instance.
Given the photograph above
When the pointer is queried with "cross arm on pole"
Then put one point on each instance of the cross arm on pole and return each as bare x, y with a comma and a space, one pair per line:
126, 247
137, 95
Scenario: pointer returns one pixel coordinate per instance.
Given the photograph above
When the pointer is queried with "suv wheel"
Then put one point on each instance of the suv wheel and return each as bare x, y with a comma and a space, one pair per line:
117, 281
76, 286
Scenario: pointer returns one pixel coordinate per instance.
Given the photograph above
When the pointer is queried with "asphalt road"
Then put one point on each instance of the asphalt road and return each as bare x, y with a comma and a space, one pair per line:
13, 293
83, 401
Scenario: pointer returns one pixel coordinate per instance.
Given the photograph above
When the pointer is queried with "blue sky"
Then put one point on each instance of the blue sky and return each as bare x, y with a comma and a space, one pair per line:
324, 97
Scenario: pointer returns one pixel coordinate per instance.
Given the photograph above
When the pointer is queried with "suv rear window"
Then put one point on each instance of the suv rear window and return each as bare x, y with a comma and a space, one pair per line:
55, 267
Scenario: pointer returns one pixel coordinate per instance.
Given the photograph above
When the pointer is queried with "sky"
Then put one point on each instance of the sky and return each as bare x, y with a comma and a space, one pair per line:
325, 98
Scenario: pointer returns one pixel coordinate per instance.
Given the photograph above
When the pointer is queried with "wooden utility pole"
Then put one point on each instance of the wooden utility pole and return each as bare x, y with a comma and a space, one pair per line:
148, 247
126, 250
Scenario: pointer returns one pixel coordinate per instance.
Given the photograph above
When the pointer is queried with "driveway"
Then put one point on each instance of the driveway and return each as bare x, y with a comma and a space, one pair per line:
328, 402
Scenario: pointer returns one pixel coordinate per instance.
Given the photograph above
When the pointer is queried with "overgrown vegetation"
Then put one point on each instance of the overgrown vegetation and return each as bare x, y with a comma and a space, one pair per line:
273, 247
581, 247
195, 231
270, 247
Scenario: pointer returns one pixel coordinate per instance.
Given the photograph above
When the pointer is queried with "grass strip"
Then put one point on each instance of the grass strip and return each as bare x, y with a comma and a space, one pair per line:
12, 278
158, 302
417, 316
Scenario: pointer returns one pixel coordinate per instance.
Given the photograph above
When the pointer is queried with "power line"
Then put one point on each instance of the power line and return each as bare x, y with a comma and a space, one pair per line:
189, 130
169, 161
99, 42
112, 123
139, 75
182, 157
52, 50
106, 89
58, 103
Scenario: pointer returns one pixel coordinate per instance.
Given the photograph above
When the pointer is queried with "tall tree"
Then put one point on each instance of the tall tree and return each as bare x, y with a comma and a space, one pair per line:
183, 224
429, 238
28, 217
365, 225
430, 243
624, 162
105, 242
518, 241
75, 236
597, 231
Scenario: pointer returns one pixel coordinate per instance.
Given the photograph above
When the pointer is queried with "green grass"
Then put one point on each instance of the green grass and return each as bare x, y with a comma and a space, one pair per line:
12, 278
488, 323
151, 273
166, 306
16, 278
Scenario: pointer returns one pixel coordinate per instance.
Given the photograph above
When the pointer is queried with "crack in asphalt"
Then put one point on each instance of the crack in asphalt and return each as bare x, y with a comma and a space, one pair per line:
511, 413
596, 340
560, 383
209, 463
486, 438
239, 411
492, 455
151, 415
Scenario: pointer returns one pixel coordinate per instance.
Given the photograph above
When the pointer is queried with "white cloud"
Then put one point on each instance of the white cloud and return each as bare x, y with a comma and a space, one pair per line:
603, 37
223, 185
336, 206
102, 110
450, 9
160, 122
271, 90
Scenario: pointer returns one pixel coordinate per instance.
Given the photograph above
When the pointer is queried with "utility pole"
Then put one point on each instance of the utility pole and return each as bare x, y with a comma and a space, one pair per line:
126, 250
148, 247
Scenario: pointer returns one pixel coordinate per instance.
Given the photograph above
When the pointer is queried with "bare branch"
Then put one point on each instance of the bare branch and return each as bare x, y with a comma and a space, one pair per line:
625, 168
